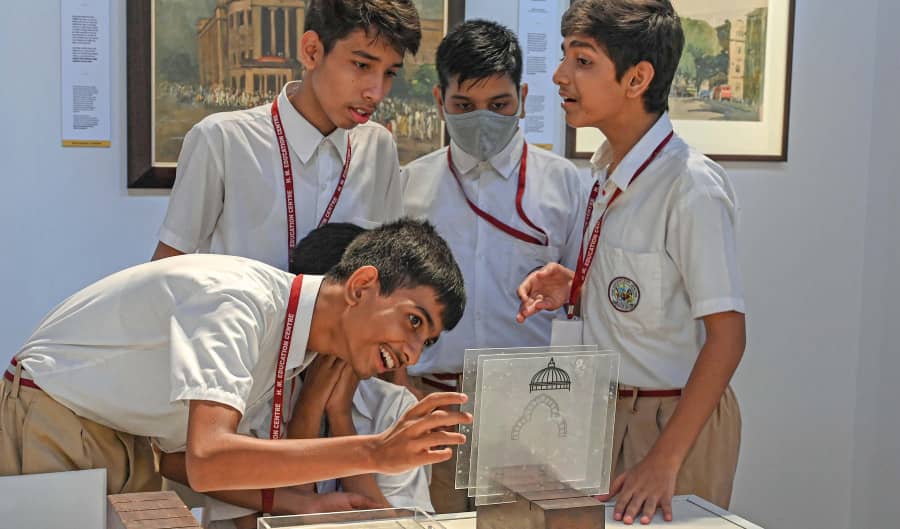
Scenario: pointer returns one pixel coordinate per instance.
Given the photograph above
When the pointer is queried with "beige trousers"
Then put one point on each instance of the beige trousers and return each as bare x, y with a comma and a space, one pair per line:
38, 435
708, 470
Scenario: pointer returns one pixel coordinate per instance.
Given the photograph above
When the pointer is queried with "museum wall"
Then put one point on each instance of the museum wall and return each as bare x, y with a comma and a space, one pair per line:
818, 239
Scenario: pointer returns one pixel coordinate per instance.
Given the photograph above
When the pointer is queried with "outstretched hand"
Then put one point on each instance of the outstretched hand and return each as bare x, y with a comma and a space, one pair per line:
544, 289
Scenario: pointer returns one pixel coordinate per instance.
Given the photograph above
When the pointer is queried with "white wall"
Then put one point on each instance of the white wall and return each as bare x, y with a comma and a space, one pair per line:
819, 245
877, 452
66, 214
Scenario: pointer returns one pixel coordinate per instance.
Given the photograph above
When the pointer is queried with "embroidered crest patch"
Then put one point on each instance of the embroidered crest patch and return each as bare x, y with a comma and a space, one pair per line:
624, 294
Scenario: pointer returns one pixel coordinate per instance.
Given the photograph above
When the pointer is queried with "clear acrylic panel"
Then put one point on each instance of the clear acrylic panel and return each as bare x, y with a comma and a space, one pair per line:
543, 421
411, 518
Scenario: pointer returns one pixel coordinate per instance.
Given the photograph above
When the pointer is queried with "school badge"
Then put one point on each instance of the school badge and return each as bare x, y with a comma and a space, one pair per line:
624, 294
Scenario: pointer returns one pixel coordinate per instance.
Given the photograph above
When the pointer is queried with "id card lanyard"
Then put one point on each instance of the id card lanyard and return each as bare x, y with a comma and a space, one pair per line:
288, 172
494, 221
277, 423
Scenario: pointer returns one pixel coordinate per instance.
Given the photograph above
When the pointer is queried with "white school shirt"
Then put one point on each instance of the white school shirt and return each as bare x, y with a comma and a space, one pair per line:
229, 194
494, 263
132, 349
376, 406
666, 257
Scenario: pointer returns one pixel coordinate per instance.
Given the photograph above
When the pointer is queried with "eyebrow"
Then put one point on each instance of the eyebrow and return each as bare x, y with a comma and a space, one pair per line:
492, 98
578, 44
370, 57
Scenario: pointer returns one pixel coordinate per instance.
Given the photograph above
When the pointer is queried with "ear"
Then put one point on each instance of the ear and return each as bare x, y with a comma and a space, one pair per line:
362, 282
438, 100
638, 79
312, 51
522, 100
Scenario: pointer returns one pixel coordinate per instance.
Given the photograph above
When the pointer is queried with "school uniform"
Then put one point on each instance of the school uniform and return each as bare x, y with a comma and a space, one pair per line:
666, 258
230, 194
124, 357
543, 225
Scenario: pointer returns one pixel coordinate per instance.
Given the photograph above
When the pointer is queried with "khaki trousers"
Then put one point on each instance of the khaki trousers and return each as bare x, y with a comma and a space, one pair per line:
708, 470
38, 435
444, 495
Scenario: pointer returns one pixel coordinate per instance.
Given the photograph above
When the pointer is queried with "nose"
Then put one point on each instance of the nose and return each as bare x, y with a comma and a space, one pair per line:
413, 350
560, 76
376, 90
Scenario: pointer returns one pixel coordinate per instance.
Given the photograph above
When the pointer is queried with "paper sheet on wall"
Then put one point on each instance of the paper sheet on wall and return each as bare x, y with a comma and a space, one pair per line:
540, 40
85, 48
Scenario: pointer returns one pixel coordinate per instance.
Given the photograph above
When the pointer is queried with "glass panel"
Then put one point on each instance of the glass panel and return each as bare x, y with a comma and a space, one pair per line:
371, 519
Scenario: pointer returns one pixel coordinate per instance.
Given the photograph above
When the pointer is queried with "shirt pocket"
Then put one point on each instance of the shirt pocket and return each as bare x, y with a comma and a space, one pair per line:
524, 258
630, 287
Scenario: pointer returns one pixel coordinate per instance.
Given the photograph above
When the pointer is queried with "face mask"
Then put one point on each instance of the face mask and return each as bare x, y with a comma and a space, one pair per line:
482, 133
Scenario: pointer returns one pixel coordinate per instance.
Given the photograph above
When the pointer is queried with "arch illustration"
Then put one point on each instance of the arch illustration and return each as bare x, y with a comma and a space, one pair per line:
525, 418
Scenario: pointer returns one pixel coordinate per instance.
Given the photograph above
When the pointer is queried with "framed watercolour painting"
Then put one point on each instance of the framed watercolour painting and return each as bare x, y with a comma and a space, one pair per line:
731, 94
190, 58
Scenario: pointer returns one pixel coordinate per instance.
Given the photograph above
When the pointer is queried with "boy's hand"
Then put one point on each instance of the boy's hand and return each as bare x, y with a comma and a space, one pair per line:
341, 400
297, 500
414, 439
320, 379
643, 489
544, 289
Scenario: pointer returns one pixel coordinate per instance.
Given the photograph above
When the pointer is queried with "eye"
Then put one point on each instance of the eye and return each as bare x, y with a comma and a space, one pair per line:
429, 342
465, 107
361, 65
496, 107
415, 321
584, 62
392, 73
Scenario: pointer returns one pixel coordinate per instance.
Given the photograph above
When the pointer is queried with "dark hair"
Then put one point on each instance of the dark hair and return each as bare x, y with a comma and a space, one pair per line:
322, 248
407, 253
631, 31
478, 49
395, 21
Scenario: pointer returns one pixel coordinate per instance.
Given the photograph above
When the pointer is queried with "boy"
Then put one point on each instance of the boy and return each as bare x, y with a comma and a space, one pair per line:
187, 351
504, 207
253, 182
665, 291
326, 390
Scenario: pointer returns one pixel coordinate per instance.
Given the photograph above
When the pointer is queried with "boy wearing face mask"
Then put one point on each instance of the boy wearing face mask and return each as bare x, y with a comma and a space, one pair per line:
503, 206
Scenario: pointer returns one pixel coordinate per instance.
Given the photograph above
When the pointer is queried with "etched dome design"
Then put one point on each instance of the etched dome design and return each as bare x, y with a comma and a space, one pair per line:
550, 378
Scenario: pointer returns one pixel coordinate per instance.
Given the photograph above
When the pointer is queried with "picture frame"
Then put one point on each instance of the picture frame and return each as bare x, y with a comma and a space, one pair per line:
731, 110
174, 82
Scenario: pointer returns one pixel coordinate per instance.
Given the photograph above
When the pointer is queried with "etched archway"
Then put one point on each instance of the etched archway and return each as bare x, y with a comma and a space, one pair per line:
525, 418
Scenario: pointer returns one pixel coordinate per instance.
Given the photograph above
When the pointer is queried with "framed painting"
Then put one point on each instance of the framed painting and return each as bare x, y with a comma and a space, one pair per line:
731, 94
190, 58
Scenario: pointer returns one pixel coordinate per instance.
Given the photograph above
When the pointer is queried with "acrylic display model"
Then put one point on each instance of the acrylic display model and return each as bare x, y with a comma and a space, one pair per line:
372, 519
541, 441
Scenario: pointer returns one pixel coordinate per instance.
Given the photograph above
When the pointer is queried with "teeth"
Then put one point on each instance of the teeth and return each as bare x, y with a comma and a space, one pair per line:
387, 358
361, 111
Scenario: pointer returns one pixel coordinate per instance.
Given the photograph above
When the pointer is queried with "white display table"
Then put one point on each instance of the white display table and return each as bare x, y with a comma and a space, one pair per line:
689, 512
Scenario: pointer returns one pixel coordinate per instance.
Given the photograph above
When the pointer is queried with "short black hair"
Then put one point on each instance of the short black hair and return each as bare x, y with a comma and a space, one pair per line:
631, 31
407, 253
478, 49
322, 248
395, 21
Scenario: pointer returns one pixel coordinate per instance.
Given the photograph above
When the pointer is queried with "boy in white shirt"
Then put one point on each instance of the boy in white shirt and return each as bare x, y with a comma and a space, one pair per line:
665, 290
188, 350
254, 182
504, 207
326, 389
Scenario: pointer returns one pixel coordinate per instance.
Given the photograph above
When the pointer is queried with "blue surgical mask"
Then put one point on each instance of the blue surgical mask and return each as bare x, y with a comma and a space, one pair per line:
482, 133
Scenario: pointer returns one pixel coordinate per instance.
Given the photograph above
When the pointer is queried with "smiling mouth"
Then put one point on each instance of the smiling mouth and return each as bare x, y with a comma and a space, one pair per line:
387, 359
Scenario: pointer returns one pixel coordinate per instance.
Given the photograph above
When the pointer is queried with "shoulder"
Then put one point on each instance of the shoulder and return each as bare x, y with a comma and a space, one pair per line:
695, 176
428, 162
225, 123
385, 400
371, 131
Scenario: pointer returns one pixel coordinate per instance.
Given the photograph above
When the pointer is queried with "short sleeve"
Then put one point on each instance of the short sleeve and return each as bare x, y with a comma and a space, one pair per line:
701, 241
197, 197
214, 347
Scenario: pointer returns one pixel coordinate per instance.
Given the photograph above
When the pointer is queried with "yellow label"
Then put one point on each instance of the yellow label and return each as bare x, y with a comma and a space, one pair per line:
86, 143
547, 146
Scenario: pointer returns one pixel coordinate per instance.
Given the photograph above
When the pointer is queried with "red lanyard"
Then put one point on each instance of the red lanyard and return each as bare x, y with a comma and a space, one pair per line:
275, 426
586, 258
509, 230
289, 180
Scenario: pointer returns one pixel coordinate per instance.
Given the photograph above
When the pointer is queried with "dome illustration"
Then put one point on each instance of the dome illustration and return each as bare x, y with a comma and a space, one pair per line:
550, 378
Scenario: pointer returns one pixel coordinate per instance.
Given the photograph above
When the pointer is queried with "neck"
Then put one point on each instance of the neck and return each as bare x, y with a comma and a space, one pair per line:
325, 334
626, 132
307, 104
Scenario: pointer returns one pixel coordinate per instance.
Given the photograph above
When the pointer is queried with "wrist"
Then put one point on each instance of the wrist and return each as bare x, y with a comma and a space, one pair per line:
340, 424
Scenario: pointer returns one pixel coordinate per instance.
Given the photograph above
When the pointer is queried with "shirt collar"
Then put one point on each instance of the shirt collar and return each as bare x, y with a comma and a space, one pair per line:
298, 358
504, 162
359, 401
642, 150
302, 136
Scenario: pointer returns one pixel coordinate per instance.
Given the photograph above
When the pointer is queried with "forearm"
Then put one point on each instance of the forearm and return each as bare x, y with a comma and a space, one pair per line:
364, 484
172, 467
163, 250
235, 462
715, 365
